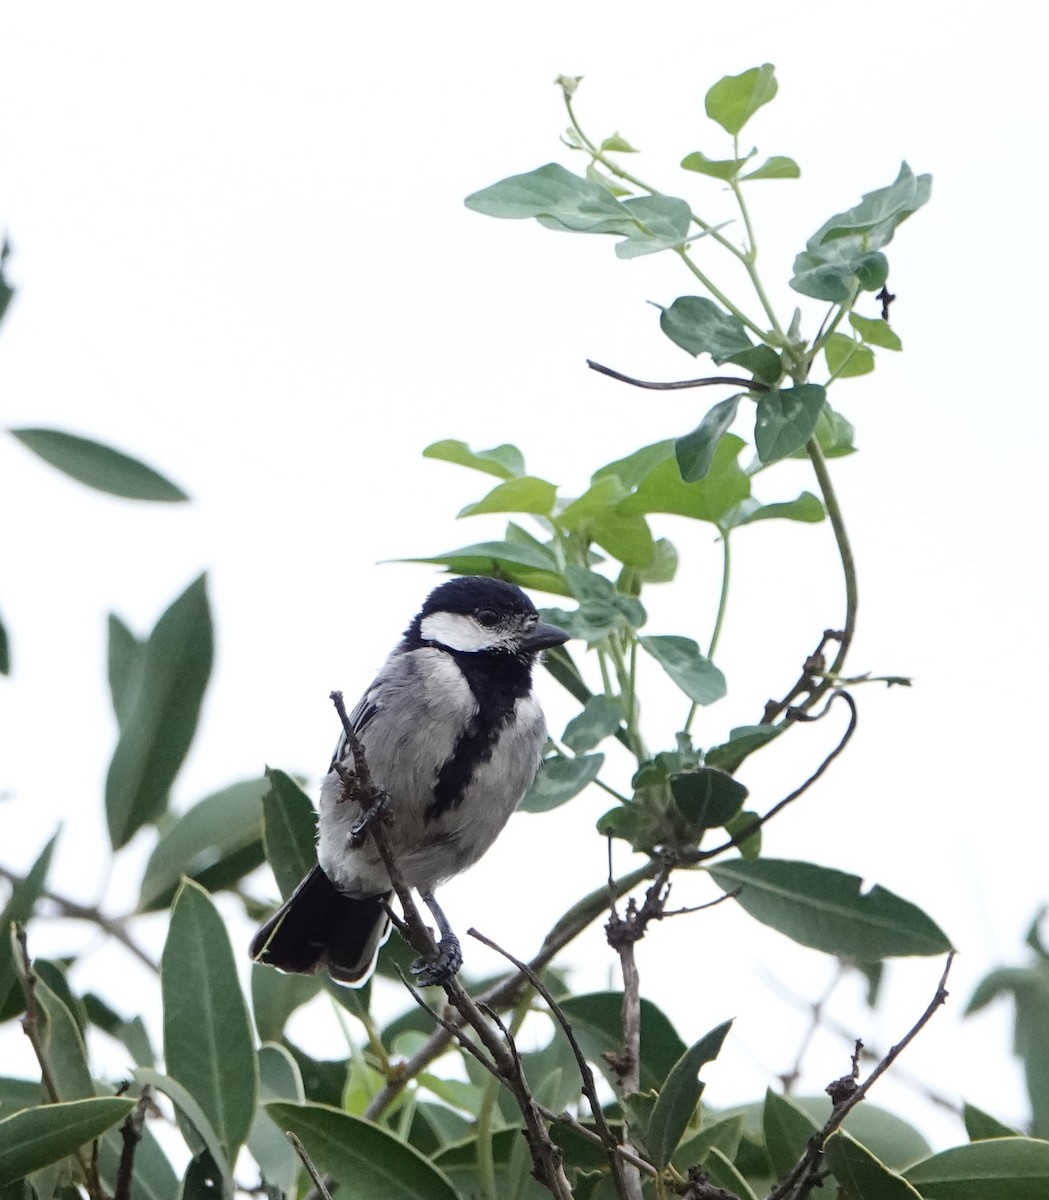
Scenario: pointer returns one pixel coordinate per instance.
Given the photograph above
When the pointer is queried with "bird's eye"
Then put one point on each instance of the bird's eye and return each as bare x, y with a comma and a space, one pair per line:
487, 616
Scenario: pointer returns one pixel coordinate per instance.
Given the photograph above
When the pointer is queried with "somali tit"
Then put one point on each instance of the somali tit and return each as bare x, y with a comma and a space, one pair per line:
452, 734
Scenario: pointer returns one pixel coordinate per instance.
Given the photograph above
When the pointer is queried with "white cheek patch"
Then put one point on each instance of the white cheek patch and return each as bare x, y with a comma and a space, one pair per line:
458, 632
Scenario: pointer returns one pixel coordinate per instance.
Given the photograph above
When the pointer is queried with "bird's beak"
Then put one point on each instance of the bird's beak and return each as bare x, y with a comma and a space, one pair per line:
542, 637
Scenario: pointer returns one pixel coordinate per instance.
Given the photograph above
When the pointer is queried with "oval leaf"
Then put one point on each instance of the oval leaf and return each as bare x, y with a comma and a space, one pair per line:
776, 167
159, 727
787, 419
679, 1096
99, 466
208, 1043
37, 1137
826, 909
1015, 1168
368, 1162
695, 675
861, 1174
732, 101
558, 780
697, 325
787, 1130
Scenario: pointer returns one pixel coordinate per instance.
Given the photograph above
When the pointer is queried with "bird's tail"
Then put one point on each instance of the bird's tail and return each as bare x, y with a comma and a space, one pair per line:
319, 926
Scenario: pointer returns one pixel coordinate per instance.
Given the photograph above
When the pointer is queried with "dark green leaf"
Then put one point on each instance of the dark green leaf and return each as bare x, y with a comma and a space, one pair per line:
762, 361
834, 434
706, 796
124, 668
275, 996
787, 419
826, 909
505, 461
16, 1094
695, 451
846, 357
36, 1137
156, 735
17, 911
708, 499
724, 1134
743, 741
679, 1096
875, 332
726, 1175
719, 168
745, 824
787, 1130
202, 838
776, 167
192, 1113
697, 325
324, 1080
63, 1046
278, 1080
527, 565
601, 717
694, 674
1004, 1168
835, 275
5, 651
558, 780
99, 466
526, 494
597, 1021
732, 101
365, 1160
208, 1043
861, 1174
289, 831
980, 1125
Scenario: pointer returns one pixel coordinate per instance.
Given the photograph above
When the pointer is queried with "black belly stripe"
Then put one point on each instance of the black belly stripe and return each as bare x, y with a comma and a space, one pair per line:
497, 681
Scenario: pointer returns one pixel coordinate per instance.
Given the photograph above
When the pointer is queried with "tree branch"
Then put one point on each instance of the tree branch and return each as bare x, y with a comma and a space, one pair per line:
749, 385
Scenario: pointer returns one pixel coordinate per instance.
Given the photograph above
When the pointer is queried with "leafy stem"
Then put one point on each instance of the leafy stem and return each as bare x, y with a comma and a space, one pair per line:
750, 256
719, 295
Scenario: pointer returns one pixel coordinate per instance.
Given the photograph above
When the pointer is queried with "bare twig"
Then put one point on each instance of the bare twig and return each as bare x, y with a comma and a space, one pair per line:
750, 385
131, 1134
803, 1177
307, 1162
113, 926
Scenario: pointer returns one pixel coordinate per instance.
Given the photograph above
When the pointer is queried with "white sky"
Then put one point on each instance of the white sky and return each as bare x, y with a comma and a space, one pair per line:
242, 255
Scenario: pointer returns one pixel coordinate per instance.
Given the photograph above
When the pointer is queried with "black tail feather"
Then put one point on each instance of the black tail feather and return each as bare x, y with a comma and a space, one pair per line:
319, 926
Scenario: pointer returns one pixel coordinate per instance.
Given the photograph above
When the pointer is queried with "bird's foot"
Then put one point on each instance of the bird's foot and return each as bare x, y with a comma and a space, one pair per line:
442, 967
378, 810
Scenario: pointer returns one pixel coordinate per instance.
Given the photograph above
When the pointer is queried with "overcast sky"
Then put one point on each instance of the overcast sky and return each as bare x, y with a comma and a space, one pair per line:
242, 255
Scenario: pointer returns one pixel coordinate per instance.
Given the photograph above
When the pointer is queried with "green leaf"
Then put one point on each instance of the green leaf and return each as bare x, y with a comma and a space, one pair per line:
6, 290
124, 665
664, 563
843, 255
732, 101
203, 840
531, 566
626, 538
37, 1137
279, 1079
558, 780
694, 674
787, 1130
526, 494
698, 326
708, 499
17, 911
981, 1126
706, 796
131, 1033
603, 495
505, 461
364, 1159
725, 1175
787, 419
847, 357
208, 1043
742, 742
861, 1174
750, 846
875, 332
776, 167
661, 223
630, 471
1005, 1169
597, 1022
600, 718
834, 434
826, 909
63, 1046
719, 168
695, 451
805, 507
679, 1096
99, 466
189, 1109
5, 651
275, 996
159, 726
602, 608
289, 831
617, 144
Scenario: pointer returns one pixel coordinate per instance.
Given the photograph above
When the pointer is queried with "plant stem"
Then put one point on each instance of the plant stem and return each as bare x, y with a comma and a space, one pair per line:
750, 258
726, 572
848, 565
719, 295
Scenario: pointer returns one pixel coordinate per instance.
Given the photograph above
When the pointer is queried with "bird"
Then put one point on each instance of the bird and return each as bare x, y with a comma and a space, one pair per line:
451, 735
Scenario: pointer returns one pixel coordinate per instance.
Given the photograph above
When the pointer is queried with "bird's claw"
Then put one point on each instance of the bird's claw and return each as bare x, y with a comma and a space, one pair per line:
377, 810
442, 967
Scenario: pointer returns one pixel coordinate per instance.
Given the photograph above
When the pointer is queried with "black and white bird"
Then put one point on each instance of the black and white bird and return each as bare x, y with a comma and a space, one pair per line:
452, 734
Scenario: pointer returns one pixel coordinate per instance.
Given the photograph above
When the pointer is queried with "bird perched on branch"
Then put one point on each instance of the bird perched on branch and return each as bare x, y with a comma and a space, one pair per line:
451, 734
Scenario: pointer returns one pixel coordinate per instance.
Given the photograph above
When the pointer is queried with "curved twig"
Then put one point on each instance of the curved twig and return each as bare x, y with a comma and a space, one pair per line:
749, 385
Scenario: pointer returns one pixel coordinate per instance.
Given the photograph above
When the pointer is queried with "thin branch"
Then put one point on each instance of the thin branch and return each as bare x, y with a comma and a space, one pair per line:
750, 385
131, 1134
307, 1162
113, 926
846, 1094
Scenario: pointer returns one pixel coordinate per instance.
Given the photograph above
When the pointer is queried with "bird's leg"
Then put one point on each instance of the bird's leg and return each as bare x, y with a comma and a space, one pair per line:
449, 953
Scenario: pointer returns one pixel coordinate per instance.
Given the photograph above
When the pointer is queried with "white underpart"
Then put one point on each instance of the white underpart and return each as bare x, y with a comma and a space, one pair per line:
458, 631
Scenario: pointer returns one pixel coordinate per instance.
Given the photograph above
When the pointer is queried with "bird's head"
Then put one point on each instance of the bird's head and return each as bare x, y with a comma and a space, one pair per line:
475, 615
